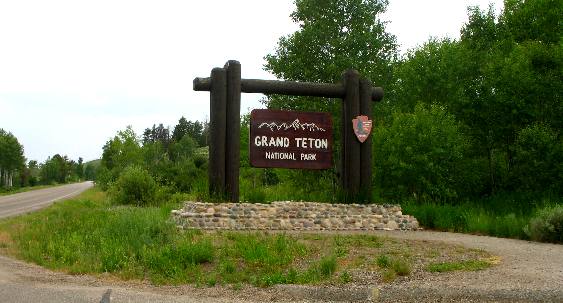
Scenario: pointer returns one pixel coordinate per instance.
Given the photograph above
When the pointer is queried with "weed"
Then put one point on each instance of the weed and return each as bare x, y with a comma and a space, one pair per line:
388, 275
327, 266
547, 225
228, 267
345, 277
383, 261
396, 265
470, 265
401, 267
211, 281
340, 252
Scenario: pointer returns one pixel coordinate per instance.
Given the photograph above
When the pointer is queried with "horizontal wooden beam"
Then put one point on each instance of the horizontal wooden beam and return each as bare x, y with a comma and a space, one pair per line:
289, 88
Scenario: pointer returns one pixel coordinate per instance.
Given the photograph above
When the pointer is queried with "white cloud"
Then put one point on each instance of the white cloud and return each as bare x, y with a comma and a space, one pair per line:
413, 22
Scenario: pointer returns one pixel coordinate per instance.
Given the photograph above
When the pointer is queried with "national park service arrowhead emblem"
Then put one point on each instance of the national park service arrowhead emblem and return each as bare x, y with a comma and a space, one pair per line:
362, 127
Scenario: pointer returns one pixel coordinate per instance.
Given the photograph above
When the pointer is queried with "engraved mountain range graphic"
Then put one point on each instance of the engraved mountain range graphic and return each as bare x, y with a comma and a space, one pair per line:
295, 125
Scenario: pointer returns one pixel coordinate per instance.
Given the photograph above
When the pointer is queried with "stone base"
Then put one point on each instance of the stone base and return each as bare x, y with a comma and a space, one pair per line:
292, 216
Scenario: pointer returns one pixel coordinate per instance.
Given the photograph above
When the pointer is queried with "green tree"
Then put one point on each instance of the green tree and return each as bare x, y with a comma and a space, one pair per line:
538, 159
49, 172
180, 130
58, 169
120, 152
333, 36
79, 168
183, 149
430, 74
501, 76
90, 172
196, 130
33, 167
12, 159
537, 20
420, 155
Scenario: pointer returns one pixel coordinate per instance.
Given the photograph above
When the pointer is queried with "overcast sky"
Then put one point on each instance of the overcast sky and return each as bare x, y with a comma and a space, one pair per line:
73, 73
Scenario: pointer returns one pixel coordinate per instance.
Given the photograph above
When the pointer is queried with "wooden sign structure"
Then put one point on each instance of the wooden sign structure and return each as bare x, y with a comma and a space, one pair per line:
289, 139
225, 86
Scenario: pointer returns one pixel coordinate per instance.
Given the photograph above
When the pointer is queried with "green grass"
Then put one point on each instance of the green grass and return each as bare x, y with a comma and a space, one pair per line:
393, 267
88, 235
470, 265
502, 216
469, 219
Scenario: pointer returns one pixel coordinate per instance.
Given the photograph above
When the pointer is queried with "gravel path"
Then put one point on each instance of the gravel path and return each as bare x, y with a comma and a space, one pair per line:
528, 272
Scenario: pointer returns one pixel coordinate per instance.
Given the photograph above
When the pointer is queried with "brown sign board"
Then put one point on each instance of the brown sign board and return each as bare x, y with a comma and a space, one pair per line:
290, 139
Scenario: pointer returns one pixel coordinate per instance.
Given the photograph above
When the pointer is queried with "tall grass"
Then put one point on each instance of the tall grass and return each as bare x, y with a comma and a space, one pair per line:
90, 235
505, 215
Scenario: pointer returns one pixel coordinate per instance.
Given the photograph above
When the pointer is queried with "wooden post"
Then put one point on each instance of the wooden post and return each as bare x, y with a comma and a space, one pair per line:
365, 149
350, 142
217, 133
232, 155
290, 88
226, 85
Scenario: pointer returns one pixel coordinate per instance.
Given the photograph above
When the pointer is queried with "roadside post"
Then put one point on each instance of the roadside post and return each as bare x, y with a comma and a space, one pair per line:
286, 139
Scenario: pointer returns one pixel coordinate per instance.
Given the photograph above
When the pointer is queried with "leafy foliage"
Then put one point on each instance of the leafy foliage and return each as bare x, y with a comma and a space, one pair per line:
547, 225
11, 158
538, 159
502, 76
419, 154
172, 163
134, 186
333, 36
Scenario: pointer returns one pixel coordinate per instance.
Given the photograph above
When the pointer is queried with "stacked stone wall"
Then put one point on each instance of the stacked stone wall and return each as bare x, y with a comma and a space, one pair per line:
292, 216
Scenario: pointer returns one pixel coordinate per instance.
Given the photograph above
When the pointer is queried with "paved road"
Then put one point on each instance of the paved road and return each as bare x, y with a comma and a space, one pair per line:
36, 199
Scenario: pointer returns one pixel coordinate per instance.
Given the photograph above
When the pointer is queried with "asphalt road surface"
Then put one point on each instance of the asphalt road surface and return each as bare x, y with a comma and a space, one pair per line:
21, 203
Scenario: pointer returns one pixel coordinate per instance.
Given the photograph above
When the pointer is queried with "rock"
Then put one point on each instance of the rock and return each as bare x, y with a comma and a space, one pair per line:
392, 225
292, 216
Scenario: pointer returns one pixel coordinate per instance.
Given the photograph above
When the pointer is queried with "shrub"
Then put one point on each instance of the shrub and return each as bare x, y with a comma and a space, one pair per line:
441, 217
547, 225
383, 261
538, 157
401, 267
134, 186
420, 155
398, 266
104, 178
